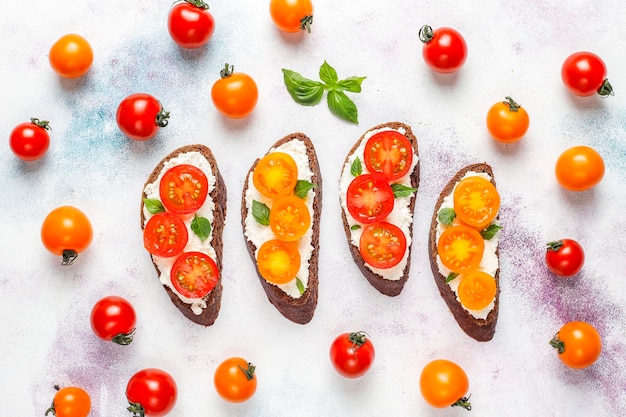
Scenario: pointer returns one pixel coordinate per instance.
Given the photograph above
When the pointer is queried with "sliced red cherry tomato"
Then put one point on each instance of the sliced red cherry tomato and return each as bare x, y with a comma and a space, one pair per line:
183, 189
444, 48
290, 218
389, 153
190, 23
476, 201
194, 274
165, 235
30, 140
477, 290
278, 261
460, 248
369, 198
275, 175
382, 245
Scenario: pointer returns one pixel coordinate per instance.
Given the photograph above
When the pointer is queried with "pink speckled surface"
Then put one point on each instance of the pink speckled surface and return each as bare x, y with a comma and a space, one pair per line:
514, 49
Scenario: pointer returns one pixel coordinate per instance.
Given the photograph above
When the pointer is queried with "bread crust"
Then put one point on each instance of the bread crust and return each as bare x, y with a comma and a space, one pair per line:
388, 287
218, 195
299, 310
479, 329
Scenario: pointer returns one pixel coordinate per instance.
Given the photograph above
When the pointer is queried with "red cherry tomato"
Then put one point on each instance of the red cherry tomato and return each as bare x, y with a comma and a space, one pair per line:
444, 49
382, 245
352, 354
235, 94
30, 141
139, 116
369, 198
113, 319
190, 24
165, 235
235, 380
292, 15
584, 74
71, 56
389, 153
151, 392
565, 257
194, 274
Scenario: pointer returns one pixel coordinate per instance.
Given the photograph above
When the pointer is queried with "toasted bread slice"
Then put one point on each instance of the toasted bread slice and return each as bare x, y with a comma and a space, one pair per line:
203, 311
393, 283
297, 306
481, 329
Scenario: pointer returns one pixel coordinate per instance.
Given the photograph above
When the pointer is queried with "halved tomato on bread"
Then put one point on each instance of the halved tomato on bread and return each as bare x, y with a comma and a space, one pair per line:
275, 175
460, 248
183, 189
165, 235
289, 218
382, 245
389, 153
369, 198
476, 290
278, 261
476, 201
194, 274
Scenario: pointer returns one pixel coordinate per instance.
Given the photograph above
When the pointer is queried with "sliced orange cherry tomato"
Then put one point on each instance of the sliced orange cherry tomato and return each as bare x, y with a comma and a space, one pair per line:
275, 175
165, 235
278, 261
183, 189
369, 198
476, 290
461, 248
382, 245
389, 153
289, 218
194, 274
476, 201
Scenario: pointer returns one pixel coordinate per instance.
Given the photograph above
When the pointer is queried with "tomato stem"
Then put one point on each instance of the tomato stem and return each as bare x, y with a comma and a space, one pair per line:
558, 344
162, 117
51, 410
44, 124
426, 34
513, 106
555, 245
606, 89
463, 402
124, 339
198, 3
68, 256
137, 409
357, 339
306, 22
227, 71
248, 371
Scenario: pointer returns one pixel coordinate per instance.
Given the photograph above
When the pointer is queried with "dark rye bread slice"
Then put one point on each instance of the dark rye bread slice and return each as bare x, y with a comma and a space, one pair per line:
385, 286
480, 329
299, 310
218, 195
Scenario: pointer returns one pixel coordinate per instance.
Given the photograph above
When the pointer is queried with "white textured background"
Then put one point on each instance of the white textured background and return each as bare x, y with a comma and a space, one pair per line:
515, 48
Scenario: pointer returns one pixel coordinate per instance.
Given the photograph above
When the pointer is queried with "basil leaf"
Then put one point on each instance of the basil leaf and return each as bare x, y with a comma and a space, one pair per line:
356, 168
302, 90
400, 190
201, 227
451, 276
355, 227
341, 106
302, 188
261, 213
490, 231
328, 74
300, 285
446, 216
153, 205
352, 84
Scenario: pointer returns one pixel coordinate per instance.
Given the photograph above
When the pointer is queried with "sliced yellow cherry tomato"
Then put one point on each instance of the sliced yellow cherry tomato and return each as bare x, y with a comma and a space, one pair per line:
275, 175
476, 290
460, 248
289, 218
278, 261
476, 201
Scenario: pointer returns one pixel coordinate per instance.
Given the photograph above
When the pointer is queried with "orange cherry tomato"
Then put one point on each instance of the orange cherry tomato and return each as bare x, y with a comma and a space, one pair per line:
507, 121
66, 231
290, 218
235, 94
476, 201
70, 402
235, 380
275, 175
278, 261
71, 56
578, 343
476, 290
443, 383
460, 248
579, 168
292, 15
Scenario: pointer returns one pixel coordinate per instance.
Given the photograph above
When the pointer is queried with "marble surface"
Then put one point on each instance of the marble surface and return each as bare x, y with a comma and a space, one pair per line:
515, 48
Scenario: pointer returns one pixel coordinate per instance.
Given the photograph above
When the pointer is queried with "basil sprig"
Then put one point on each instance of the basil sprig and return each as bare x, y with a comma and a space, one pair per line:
309, 92
201, 226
